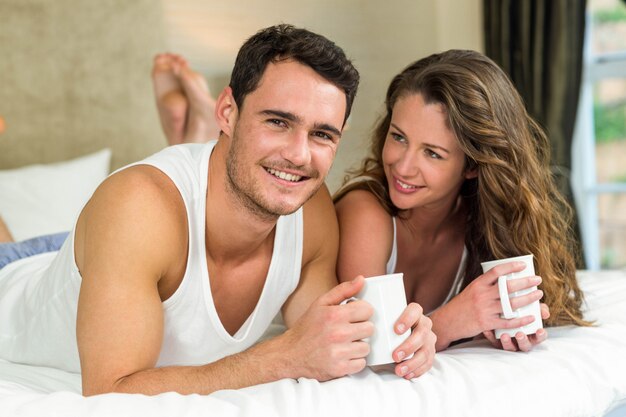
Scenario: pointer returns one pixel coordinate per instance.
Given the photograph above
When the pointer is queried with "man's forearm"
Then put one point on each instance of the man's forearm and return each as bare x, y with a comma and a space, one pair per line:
259, 364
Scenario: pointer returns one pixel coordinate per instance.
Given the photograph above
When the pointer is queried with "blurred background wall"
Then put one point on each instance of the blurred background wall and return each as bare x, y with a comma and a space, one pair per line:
380, 37
74, 75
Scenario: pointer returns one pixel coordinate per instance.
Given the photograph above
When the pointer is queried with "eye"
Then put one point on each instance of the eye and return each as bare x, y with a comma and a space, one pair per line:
323, 135
397, 137
432, 154
277, 122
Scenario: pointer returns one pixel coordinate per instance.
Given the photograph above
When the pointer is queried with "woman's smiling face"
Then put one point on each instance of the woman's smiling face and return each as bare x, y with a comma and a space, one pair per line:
423, 163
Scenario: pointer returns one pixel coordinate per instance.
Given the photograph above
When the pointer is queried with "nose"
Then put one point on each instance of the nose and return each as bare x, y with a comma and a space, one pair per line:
297, 150
407, 165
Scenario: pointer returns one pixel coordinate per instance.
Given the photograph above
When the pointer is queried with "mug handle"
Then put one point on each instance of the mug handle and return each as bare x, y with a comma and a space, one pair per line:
507, 311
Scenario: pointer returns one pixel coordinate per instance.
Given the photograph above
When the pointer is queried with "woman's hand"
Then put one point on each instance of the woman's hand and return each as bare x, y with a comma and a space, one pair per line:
420, 344
521, 341
477, 308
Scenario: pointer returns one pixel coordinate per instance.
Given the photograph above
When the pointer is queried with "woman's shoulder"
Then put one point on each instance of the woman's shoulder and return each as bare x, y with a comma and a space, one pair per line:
361, 202
362, 210
366, 235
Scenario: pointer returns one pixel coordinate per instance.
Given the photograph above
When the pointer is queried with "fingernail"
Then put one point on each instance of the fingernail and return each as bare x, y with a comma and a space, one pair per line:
536, 280
404, 370
409, 376
400, 355
519, 264
401, 328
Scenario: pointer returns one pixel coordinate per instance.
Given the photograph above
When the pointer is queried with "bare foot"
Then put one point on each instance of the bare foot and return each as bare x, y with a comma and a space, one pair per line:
170, 97
201, 124
5, 235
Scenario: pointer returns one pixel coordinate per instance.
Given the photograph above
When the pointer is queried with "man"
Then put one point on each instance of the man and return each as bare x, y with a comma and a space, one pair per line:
178, 264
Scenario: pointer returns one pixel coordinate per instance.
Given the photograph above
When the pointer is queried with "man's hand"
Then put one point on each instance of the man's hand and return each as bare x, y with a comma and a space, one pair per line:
420, 344
326, 341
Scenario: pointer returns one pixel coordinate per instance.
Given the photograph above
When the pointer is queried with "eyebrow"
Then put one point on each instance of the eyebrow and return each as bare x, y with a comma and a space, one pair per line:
430, 145
294, 118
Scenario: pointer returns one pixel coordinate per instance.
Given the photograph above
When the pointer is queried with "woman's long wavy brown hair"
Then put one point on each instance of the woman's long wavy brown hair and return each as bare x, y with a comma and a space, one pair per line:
513, 205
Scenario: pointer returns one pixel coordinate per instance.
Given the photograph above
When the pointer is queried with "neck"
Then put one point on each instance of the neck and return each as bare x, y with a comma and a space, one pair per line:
233, 230
427, 223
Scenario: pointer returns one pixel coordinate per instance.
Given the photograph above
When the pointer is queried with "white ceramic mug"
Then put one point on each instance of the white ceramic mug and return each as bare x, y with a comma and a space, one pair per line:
385, 293
532, 309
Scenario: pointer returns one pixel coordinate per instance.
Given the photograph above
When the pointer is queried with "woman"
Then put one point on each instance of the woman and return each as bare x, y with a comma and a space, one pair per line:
458, 175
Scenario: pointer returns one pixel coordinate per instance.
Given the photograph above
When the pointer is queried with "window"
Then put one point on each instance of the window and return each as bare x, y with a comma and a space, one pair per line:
599, 165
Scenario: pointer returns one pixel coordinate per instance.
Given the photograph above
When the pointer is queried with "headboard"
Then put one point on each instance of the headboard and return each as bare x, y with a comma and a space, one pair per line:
75, 78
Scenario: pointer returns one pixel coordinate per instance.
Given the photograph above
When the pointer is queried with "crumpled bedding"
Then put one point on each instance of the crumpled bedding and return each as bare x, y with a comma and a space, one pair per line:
576, 372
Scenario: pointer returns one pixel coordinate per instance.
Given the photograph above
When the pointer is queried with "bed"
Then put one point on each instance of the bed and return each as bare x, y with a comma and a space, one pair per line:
94, 101
576, 372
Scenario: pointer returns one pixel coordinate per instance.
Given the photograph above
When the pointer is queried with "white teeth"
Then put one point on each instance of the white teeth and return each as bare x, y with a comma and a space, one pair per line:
405, 186
284, 175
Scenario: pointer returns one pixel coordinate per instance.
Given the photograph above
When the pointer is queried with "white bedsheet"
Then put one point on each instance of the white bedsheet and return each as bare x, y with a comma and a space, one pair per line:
576, 372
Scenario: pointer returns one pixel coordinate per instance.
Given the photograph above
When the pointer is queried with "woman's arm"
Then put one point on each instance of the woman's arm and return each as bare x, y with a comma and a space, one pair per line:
366, 239
365, 236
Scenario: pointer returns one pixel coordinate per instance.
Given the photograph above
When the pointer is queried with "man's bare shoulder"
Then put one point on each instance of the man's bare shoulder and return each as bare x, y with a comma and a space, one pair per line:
137, 211
320, 223
137, 193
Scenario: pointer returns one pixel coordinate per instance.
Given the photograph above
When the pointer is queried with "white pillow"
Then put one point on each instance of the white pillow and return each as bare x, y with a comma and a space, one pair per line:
40, 199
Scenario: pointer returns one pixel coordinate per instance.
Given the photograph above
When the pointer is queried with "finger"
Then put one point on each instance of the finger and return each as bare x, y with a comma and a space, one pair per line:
344, 352
418, 338
503, 269
409, 317
420, 370
490, 335
518, 284
359, 350
538, 337
358, 311
421, 361
342, 292
545, 311
522, 342
513, 323
355, 365
507, 343
524, 300
420, 358
360, 331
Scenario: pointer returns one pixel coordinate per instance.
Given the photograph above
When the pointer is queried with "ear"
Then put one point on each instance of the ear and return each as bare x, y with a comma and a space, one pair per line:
226, 111
471, 173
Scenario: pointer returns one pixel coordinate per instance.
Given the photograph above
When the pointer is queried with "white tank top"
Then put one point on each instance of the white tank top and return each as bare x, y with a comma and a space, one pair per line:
39, 295
458, 279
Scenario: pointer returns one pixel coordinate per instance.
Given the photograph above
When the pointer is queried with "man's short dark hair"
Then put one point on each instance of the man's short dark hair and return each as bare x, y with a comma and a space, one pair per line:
281, 42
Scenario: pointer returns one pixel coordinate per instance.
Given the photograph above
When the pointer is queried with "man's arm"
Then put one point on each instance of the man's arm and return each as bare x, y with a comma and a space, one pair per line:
130, 241
328, 335
319, 257
128, 238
